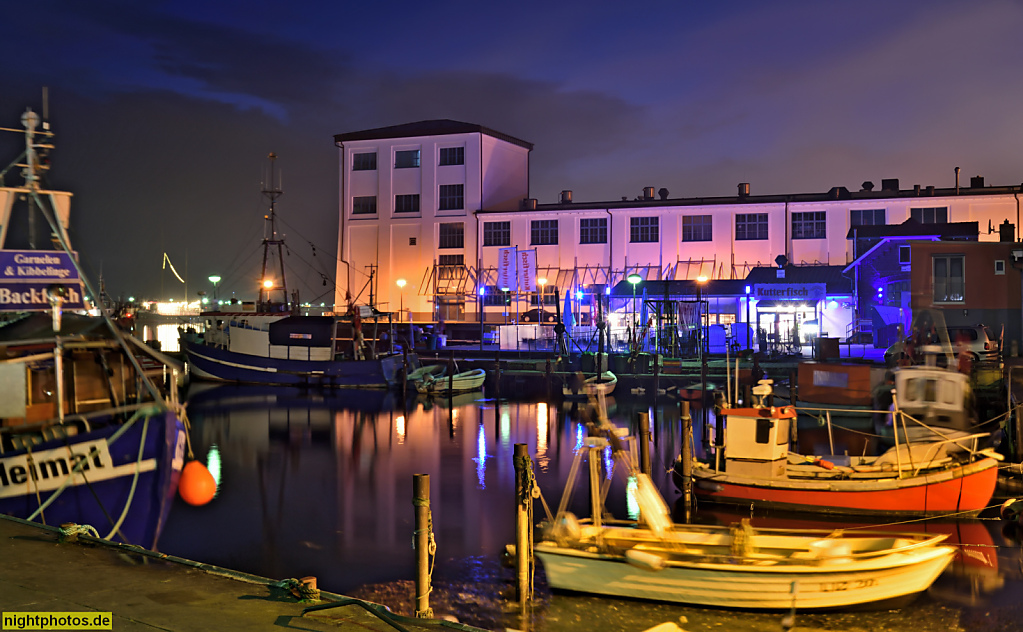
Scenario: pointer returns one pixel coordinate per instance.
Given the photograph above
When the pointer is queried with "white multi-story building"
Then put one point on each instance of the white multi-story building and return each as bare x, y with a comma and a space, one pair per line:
432, 203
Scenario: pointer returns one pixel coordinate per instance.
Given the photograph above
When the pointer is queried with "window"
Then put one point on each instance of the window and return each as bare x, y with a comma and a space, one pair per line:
949, 279
450, 260
749, 226
543, 232
364, 205
1000, 266
406, 203
452, 197
452, 156
412, 241
406, 159
494, 297
496, 233
904, 255
451, 235
697, 228
644, 230
593, 231
364, 162
867, 217
812, 225
930, 215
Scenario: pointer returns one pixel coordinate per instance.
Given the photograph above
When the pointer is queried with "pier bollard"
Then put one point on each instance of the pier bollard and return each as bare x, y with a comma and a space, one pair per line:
497, 373
644, 443
425, 546
687, 459
523, 528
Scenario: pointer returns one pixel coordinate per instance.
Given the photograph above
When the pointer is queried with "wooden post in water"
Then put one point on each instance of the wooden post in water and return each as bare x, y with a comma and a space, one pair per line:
423, 537
497, 372
644, 443
522, 526
687, 460
451, 377
793, 426
547, 374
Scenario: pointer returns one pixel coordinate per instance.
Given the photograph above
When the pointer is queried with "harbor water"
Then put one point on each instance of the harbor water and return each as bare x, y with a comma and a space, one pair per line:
320, 483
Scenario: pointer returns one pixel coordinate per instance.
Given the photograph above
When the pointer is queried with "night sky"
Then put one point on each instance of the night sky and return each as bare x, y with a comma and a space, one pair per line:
165, 111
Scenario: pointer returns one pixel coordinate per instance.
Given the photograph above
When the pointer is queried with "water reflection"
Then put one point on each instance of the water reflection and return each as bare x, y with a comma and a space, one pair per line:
320, 483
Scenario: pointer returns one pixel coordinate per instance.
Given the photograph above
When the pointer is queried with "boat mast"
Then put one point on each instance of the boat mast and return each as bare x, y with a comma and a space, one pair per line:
271, 239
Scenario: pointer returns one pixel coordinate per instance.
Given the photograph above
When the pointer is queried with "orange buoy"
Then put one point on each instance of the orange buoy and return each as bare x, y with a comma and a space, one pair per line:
196, 485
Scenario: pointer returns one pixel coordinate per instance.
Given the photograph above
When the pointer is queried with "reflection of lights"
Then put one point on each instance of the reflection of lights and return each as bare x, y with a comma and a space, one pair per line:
399, 426
213, 465
609, 463
579, 436
631, 487
505, 428
481, 457
541, 435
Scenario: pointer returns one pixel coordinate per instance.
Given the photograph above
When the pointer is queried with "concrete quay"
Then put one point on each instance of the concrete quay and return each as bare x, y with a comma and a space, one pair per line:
145, 590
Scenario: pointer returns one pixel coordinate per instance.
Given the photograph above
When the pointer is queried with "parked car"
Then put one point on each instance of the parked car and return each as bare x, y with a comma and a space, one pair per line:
978, 340
536, 316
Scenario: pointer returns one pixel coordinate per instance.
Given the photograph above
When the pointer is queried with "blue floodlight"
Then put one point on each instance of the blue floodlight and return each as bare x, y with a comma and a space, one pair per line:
749, 288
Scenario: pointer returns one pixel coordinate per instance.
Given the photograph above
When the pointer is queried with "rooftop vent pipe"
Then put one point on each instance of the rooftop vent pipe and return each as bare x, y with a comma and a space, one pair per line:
528, 204
977, 182
663, 193
648, 193
744, 189
566, 197
890, 184
867, 186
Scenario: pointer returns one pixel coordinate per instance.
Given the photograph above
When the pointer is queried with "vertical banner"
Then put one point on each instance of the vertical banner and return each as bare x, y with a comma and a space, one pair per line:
527, 270
507, 262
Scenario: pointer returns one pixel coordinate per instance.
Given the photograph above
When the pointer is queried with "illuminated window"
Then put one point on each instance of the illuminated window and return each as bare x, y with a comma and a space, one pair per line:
867, 217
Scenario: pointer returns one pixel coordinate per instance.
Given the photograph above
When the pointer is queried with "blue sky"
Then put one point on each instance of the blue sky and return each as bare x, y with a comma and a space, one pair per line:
165, 111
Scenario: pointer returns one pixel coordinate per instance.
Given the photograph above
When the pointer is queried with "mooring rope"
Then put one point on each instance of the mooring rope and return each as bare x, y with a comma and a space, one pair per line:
292, 585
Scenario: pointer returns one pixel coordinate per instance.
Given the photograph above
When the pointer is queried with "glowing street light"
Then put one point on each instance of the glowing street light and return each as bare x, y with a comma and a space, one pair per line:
268, 284
401, 299
214, 279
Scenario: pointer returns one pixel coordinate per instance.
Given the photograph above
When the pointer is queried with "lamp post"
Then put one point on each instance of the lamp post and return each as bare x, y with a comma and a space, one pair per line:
749, 343
214, 280
401, 310
700, 280
634, 279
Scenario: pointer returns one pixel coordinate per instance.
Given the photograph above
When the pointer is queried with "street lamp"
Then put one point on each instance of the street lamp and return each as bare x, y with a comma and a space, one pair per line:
214, 280
401, 299
634, 279
543, 283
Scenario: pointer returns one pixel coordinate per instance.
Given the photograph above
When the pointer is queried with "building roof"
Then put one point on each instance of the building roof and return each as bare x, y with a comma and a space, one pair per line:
925, 198
913, 228
435, 127
831, 276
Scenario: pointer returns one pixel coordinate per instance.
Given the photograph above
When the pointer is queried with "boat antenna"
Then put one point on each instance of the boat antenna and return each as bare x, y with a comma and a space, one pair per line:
267, 285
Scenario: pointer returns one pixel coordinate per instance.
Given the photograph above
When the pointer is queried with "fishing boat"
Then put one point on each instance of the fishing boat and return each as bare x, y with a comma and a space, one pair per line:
948, 472
730, 567
86, 434
464, 382
274, 343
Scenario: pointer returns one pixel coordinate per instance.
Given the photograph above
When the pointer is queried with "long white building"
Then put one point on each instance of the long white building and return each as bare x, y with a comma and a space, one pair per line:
432, 203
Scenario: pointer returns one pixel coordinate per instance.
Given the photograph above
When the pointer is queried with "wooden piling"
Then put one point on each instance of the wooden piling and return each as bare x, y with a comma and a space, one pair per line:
687, 460
523, 552
644, 443
423, 539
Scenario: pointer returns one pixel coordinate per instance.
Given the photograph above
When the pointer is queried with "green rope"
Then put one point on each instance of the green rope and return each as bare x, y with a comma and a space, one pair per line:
69, 532
292, 585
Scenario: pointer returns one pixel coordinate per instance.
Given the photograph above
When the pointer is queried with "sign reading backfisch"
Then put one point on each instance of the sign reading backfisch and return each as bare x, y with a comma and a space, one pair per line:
29, 278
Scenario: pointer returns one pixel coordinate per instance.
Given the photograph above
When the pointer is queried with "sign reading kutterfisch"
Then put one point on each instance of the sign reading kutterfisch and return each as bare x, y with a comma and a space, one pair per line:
30, 279
807, 292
